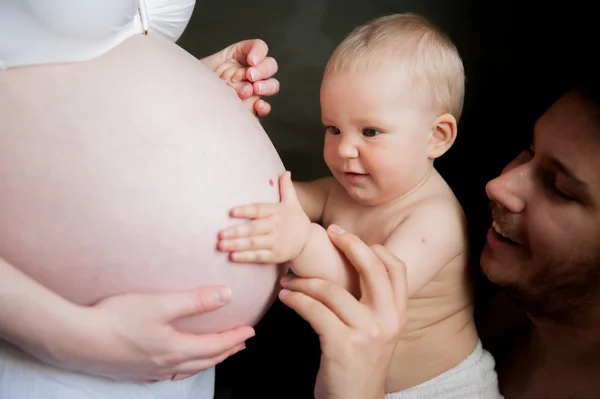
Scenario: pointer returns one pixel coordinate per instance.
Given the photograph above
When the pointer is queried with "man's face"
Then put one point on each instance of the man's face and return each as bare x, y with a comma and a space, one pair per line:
544, 244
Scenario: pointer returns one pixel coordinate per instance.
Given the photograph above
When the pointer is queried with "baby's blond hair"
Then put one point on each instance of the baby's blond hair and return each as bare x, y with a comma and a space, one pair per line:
414, 44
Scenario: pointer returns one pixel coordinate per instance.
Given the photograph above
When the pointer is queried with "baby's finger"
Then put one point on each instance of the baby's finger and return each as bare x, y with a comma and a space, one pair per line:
252, 243
256, 227
260, 256
253, 211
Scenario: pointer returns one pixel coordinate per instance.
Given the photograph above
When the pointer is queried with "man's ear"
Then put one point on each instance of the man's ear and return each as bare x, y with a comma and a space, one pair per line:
442, 136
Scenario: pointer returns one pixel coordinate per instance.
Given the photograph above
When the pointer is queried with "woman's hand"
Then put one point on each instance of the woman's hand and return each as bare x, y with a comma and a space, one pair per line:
127, 337
246, 68
130, 337
358, 337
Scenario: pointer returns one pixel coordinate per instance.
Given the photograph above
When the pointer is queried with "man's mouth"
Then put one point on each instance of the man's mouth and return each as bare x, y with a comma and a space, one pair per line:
503, 235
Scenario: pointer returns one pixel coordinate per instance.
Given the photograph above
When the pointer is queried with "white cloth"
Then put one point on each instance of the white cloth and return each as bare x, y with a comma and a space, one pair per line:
23, 377
34, 32
473, 378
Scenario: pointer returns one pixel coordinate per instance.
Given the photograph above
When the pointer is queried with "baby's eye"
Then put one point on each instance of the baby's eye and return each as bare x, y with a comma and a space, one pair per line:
333, 130
371, 132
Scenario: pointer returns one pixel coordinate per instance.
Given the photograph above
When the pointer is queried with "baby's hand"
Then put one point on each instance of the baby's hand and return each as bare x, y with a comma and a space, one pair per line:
276, 234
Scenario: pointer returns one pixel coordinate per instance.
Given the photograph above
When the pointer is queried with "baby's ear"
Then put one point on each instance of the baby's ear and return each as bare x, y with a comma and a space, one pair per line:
442, 136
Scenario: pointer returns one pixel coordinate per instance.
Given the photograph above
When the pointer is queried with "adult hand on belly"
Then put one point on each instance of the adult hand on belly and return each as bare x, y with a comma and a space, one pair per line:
130, 337
245, 67
117, 173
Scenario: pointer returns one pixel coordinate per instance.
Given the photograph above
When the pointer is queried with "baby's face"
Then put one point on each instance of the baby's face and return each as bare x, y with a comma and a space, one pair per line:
377, 133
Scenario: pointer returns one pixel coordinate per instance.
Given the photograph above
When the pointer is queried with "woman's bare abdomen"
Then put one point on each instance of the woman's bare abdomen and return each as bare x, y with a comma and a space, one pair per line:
117, 173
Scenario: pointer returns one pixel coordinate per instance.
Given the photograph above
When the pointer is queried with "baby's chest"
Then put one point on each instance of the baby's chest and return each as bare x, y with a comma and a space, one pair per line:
372, 227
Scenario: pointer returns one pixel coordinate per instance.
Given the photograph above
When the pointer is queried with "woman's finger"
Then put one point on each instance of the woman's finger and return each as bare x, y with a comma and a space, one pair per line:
202, 346
172, 306
263, 70
193, 367
267, 87
262, 108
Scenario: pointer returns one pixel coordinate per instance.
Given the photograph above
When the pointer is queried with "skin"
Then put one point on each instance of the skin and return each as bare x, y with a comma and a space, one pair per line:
547, 202
380, 148
357, 335
45, 324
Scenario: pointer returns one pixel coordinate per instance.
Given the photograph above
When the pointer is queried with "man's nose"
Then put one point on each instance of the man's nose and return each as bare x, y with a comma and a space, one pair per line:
512, 188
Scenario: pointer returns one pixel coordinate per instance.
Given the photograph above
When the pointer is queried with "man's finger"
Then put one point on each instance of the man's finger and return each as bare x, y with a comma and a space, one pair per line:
321, 319
335, 298
373, 277
397, 272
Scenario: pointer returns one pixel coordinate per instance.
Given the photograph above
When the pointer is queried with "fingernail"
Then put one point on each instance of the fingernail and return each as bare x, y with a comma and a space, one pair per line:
254, 74
284, 292
286, 279
245, 90
260, 87
335, 230
223, 295
255, 59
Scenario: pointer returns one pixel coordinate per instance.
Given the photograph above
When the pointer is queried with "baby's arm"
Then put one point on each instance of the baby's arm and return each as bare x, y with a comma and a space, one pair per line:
276, 233
313, 196
427, 240
321, 259
283, 232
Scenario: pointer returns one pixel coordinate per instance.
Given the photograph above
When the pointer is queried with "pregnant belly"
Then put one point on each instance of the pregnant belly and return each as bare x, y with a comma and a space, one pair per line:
117, 173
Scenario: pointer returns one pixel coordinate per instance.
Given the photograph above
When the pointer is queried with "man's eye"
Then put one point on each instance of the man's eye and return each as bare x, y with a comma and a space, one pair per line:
371, 132
550, 183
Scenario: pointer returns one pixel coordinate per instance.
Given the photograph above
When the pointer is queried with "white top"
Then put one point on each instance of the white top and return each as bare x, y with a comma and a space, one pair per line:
34, 32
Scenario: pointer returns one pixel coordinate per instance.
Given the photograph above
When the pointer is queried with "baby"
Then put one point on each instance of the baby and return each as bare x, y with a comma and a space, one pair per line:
391, 98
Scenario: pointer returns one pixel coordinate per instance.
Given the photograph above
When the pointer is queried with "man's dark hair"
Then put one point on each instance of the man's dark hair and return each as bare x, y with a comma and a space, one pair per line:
589, 90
